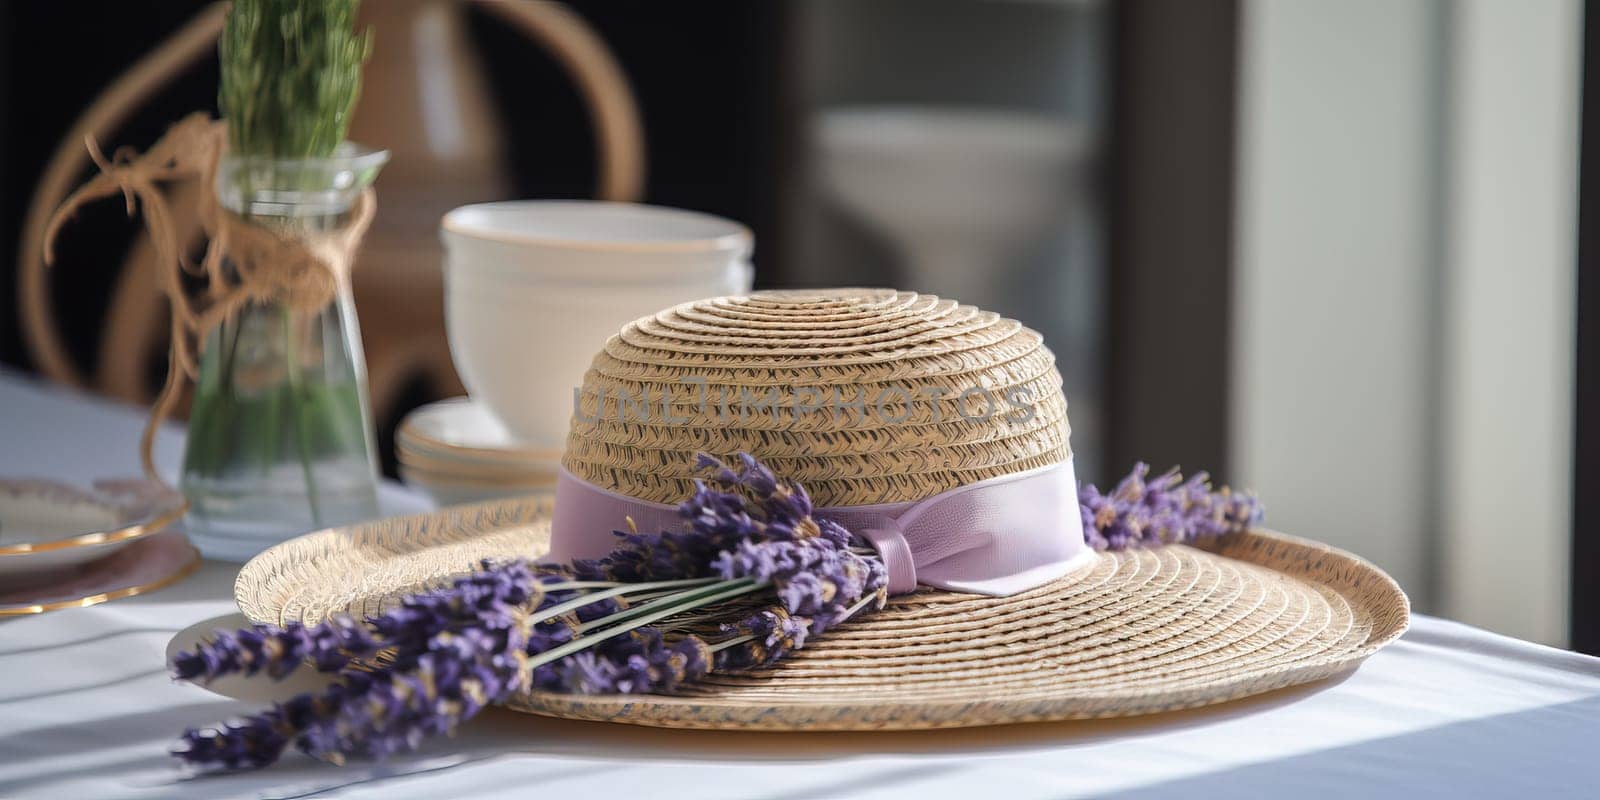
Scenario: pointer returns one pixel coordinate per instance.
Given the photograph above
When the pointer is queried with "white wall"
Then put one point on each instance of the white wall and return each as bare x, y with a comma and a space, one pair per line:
1334, 244
1405, 273
1510, 245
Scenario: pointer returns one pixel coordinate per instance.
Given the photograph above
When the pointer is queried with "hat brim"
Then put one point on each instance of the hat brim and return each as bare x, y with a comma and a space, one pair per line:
1131, 633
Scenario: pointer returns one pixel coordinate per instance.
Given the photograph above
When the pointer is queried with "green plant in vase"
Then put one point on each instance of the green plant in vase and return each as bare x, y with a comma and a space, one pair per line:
280, 435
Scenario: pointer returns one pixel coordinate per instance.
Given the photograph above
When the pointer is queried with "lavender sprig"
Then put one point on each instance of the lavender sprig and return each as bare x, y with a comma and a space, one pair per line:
631, 622
277, 651
813, 577
715, 521
643, 662
1166, 510
374, 713
627, 623
454, 651
332, 645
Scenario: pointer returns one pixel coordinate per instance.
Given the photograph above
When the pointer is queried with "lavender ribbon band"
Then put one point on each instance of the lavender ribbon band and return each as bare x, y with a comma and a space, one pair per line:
997, 537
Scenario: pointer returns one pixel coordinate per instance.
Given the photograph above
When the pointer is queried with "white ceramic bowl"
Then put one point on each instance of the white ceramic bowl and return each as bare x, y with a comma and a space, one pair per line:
534, 288
588, 243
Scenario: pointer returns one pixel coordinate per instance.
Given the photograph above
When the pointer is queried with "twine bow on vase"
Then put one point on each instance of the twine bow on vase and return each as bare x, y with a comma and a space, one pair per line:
263, 325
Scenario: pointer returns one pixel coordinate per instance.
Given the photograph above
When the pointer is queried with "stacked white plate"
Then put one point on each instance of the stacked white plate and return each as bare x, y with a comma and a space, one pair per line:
456, 451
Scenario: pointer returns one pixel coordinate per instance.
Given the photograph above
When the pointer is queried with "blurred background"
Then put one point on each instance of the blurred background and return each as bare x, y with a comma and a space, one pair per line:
1328, 251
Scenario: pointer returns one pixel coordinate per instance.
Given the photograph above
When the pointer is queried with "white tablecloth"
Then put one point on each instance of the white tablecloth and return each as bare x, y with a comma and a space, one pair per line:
87, 711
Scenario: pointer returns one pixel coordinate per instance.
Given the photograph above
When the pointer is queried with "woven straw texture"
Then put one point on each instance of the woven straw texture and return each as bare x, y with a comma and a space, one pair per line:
1133, 633
884, 397
864, 395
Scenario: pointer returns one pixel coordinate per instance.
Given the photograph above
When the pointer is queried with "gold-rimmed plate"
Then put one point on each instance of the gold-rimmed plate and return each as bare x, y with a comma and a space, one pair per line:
143, 565
47, 527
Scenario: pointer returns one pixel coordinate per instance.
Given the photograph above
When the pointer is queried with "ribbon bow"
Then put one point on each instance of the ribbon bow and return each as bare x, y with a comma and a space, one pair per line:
997, 537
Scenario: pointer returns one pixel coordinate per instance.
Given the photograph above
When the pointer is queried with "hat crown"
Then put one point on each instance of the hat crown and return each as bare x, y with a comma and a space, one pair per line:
864, 395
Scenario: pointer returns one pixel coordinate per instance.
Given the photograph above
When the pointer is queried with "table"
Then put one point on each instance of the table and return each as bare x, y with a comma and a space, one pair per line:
87, 711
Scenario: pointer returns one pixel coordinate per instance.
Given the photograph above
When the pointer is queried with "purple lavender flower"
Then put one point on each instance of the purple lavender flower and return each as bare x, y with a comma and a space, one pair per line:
459, 649
277, 651
455, 650
249, 744
773, 632
1165, 510
715, 521
756, 528
495, 591
813, 577
819, 586
380, 712
385, 712
642, 662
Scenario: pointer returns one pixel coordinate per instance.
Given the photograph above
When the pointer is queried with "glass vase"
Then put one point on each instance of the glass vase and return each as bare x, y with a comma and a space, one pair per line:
280, 432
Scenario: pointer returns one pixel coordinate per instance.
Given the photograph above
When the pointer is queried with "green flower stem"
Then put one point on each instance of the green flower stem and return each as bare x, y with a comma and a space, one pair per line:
231, 351
623, 589
267, 438
727, 643
645, 597
686, 596
860, 604
729, 590
211, 429
298, 405
738, 640
290, 75
570, 585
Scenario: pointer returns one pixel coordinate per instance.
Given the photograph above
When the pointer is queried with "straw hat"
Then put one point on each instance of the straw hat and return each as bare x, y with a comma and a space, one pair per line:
954, 396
